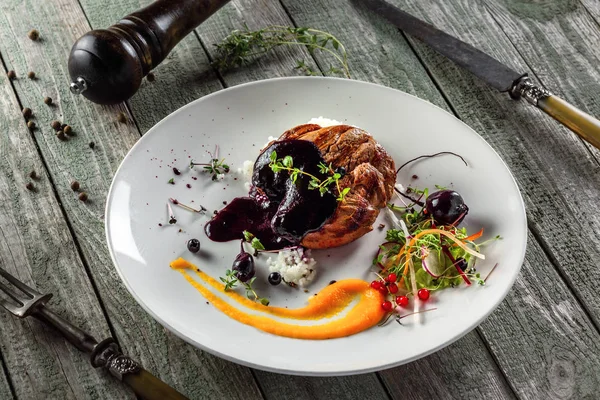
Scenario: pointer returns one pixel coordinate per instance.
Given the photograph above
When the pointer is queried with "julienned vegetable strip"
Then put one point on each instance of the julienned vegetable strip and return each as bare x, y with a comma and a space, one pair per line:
407, 249
473, 237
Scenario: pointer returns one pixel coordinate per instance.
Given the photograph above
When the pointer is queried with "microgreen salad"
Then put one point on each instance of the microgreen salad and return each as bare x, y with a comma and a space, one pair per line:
425, 250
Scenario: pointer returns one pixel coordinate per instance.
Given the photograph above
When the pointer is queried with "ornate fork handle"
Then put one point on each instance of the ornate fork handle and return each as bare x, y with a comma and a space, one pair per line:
106, 354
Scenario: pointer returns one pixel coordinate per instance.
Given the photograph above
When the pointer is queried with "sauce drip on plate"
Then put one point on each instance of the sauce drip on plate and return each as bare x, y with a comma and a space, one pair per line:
329, 303
278, 211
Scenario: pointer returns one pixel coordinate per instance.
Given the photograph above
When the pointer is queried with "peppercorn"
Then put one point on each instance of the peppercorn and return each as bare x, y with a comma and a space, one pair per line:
55, 125
121, 117
31, 125
11, 74
33, 34
83, 196
75, 186
150, 77
61, 135
48, 100
31, 75
27, 112
33, 174
30, 186
92, 145
68, 130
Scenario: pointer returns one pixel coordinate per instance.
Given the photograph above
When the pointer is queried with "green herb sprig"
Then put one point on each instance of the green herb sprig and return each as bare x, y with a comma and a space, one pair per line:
215, 167
241, 46
322, 185
254, 241
231, 282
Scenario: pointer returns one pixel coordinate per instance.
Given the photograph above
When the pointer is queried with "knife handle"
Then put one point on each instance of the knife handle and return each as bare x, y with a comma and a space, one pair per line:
149, 387
573, 118
570, 116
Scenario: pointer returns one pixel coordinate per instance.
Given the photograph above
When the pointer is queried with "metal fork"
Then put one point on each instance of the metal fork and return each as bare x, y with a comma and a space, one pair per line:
105, 354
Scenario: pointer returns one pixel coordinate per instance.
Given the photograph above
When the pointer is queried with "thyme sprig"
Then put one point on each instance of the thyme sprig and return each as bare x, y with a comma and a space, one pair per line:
240, 46
215, 167
231, 281
322, 185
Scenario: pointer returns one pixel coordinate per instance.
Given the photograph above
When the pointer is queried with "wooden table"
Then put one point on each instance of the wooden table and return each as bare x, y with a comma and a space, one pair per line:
542, 342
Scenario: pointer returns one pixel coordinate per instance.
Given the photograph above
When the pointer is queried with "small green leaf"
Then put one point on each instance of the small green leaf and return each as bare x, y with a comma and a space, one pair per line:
273, 156
337, 176
288, 161
172, 181
248, 236
346, 191
335, 44
257, 245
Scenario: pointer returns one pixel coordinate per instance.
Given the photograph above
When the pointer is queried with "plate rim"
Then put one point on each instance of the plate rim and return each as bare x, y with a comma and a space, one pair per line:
344, 372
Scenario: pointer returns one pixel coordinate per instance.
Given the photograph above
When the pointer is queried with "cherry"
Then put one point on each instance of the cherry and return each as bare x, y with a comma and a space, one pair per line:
387, 306
392, 277
243, 267
447, 207
402, 301
393, 288
423, 294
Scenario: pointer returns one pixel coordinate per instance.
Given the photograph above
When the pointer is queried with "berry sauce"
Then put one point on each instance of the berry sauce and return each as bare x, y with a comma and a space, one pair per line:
278, 211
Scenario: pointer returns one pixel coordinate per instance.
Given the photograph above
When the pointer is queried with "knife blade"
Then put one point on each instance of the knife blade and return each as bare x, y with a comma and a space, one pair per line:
493, 72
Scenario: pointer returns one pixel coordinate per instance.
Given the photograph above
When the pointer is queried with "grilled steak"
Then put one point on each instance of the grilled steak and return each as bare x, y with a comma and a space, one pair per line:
370, 173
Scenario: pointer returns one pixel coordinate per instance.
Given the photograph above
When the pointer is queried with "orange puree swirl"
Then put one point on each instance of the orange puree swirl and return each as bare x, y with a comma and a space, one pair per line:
329, 302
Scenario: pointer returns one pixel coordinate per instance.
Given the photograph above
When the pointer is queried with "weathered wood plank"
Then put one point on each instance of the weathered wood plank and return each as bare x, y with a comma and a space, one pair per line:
193, 372
534, 146
560, 41
544, 341
5, 390
36, 246
285, 387
593, 7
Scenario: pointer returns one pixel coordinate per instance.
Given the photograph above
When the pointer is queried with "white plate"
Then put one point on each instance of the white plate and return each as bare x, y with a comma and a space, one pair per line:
240, 120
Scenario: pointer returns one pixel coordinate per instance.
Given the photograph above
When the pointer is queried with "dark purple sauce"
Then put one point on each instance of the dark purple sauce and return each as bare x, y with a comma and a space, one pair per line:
278, 211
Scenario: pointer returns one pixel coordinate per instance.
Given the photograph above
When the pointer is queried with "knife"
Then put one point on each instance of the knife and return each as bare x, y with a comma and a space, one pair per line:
501, 77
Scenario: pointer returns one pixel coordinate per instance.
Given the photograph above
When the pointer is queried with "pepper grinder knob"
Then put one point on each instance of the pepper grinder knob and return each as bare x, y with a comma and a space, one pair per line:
107, 65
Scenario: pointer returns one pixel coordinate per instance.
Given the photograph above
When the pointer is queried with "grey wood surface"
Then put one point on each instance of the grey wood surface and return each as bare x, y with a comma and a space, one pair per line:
542, 342
37, 247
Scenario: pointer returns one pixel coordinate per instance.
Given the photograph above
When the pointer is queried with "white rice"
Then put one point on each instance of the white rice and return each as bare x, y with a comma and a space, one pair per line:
324, 122
294, 265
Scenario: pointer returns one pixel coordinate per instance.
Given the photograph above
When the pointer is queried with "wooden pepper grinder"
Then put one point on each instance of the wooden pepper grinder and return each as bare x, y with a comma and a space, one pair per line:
107, 65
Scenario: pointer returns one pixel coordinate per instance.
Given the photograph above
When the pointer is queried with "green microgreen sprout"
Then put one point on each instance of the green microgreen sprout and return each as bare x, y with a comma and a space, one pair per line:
215, 167
254, 242
241, 46
231, 281
322, 185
